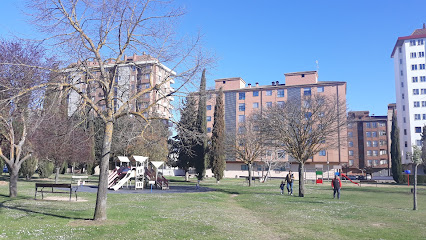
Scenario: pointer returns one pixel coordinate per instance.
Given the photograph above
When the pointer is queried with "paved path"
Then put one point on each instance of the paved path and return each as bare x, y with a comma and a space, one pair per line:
131, 189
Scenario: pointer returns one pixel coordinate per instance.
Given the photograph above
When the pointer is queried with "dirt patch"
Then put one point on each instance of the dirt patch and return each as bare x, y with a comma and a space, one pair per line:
378, 225
234, 195
88, 223
3, 183
67, 199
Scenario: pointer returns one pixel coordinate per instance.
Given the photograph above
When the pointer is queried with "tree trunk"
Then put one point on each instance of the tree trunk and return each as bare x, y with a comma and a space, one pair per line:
186, 175
415, 188
101, 198
301, 180
249, 175
57, 175
13, 181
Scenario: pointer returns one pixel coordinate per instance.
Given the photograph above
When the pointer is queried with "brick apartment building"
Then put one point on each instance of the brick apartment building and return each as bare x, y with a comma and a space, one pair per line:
241, 101
369, 143
134, 74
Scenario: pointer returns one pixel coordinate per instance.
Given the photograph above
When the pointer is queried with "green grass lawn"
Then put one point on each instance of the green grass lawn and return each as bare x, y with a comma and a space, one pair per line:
232, 211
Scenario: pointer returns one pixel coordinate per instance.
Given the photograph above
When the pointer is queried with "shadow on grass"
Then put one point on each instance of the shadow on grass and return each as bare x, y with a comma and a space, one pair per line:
26, 210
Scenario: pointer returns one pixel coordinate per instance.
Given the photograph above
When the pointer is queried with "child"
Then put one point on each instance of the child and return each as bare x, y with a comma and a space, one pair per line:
282, 187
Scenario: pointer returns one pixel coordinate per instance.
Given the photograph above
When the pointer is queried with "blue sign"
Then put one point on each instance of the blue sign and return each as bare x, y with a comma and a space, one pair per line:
407, 171
337, 173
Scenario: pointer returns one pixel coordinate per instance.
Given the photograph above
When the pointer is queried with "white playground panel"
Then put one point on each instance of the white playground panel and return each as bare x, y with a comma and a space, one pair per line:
140, 171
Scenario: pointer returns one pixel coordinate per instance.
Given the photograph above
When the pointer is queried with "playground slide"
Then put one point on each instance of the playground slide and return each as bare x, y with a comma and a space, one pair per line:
126, 178
343, 175
111, 178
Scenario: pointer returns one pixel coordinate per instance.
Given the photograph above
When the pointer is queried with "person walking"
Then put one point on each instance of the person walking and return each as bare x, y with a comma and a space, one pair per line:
336, 184
289, 179
282, 187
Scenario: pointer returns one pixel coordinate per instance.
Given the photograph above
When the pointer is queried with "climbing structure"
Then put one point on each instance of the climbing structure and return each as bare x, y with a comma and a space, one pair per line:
140, 171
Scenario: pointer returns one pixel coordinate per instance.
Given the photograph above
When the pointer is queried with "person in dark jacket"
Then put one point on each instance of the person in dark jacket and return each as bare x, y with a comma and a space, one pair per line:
336, 184
289, 179
282, 187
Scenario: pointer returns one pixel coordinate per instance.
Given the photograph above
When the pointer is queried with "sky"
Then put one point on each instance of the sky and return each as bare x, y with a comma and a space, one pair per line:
259, 41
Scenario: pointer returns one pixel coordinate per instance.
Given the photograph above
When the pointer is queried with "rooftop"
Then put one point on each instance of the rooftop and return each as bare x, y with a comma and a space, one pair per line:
418, 33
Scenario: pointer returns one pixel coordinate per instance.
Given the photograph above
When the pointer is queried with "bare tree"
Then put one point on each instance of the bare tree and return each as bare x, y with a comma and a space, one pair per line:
18, 114
99, 34
305, 127
248, 143
416, 158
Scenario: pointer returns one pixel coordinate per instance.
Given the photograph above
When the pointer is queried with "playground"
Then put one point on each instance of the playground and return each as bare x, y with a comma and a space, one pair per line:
229, 210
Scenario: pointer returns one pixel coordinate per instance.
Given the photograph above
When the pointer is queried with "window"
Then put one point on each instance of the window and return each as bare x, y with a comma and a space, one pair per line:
405, 131
268, 104
350, 134
280, 93
241, 107
307, 91
383, 152
375, 153
281, 153
418, 129
209, 107
423, 103
413, 55
376, 162
255, 93
268, 92
241, 118
423, 91
416, 116
403, 109
419, 42
400, 50
415, 91
402, 74
351, 162
322, 153
382, 142
350, 144
320, 89
419, 143
412, 42
415, 79
351, 152
422, 66
422, 78
209, 129
369, 153
349, 125
424, 117
368, 134
209, 118
402, 96
280, 104
369, 163
400, 61
306, 104
421, 54
375, 143
241, 130
241, 95
382, 124
256, 105
417, 103
402, 84
244, 167
367, 125
368, 143
374, 134
405, 144
383, 162
374, 124
414, 67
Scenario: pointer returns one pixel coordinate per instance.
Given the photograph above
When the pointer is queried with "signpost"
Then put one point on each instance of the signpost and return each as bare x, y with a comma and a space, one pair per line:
408, 172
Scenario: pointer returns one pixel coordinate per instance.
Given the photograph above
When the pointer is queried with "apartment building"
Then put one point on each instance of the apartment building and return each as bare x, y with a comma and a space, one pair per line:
410, 85
368, 144
242, 99
133, 74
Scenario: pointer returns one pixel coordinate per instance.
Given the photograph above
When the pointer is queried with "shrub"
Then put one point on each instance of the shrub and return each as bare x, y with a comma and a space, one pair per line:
421, 179
28, 168
45, 168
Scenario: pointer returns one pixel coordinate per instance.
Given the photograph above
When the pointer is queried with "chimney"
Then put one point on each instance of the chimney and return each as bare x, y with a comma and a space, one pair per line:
273, 83
257, 84
249, 85
277, 83
424, 26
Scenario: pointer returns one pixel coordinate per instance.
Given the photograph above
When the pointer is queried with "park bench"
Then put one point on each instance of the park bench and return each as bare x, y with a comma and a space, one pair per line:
54, 188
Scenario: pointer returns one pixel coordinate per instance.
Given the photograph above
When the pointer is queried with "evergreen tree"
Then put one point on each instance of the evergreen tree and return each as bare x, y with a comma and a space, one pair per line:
200, 147
395, 151
185, 137
217, 149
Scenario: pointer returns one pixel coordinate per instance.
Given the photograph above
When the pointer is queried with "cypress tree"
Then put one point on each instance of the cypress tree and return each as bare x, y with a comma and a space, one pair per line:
200, 147
395, 151
217, 152
186, 129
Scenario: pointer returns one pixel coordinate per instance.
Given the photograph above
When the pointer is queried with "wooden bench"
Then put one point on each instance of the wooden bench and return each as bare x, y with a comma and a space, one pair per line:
54, 188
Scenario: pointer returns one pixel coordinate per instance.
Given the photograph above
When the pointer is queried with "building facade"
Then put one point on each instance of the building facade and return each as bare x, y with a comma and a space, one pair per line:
410, 85
368, 144
134, 74
241, 100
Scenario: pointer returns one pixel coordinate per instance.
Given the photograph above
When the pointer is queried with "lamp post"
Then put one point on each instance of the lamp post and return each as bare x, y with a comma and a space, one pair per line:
328, 167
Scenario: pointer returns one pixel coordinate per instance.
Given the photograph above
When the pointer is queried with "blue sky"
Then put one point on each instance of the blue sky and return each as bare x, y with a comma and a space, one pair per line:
261, 40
